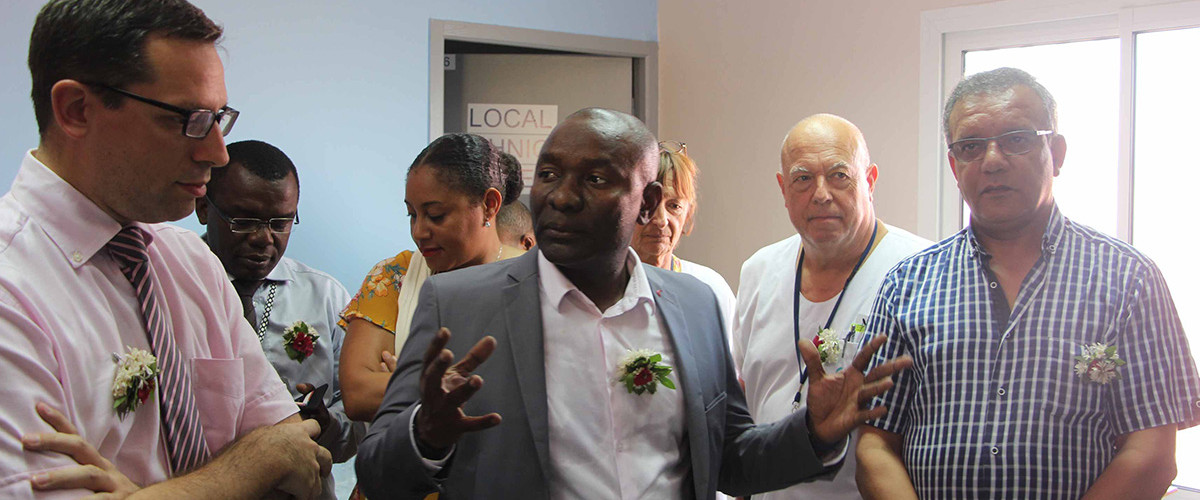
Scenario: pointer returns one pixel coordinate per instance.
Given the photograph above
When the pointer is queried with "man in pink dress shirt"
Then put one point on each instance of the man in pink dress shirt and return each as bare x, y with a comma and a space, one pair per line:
131, 106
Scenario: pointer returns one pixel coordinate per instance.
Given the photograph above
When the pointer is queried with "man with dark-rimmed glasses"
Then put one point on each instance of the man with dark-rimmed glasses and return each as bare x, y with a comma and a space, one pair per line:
1049, 358
250, 210
196, 122
125, 359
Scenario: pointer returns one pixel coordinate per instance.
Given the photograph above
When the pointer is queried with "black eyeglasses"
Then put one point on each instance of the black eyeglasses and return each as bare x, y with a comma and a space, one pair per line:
1017, 142
246, 225
197, 122
673, 146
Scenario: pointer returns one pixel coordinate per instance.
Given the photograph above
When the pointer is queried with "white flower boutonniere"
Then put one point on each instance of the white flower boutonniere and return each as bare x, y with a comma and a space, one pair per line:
1098, 362
298, 341
642, 370
832, 348
828, 345
134, 380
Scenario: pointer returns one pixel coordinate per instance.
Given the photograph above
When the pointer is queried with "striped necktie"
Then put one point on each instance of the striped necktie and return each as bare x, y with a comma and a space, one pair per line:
181, 417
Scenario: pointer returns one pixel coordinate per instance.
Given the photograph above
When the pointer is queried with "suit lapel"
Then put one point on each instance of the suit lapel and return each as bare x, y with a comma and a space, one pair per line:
523, 320
687, 366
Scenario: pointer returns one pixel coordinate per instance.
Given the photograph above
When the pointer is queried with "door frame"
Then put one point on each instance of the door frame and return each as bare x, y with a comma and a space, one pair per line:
644, 55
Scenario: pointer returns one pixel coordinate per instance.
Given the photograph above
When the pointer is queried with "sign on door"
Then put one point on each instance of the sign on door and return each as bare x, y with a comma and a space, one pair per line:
518, 129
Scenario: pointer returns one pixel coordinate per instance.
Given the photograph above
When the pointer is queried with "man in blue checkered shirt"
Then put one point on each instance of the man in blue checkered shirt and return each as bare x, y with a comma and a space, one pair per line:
1049, 358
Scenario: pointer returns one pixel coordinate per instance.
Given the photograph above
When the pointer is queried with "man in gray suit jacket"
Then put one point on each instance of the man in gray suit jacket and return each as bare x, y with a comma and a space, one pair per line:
549, 324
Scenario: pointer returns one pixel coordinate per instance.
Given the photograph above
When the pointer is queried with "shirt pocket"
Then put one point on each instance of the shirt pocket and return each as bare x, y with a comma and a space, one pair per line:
220, 388
1061, 394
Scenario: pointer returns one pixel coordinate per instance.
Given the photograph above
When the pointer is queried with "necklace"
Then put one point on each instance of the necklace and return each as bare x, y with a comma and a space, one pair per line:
829, 320
262, 323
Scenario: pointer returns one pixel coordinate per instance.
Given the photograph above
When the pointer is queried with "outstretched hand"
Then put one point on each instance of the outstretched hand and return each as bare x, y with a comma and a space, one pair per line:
837, 403
94, 472
444, 389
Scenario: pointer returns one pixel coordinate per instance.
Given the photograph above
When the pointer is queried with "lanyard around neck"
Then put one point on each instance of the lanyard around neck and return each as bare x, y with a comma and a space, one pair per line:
829, 321
261, 329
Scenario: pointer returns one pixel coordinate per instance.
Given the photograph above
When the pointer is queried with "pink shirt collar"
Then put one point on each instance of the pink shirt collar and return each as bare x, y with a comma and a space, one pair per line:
557, 286
76, 225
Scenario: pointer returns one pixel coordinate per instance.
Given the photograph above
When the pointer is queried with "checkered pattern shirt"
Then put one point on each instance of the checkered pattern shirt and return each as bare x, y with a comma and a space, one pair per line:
992, 407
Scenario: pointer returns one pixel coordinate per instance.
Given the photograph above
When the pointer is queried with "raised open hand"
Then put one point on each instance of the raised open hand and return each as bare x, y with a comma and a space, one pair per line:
444, 389
837, 403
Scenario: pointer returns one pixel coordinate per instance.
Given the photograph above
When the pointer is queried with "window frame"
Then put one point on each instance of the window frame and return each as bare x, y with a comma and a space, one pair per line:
946, 34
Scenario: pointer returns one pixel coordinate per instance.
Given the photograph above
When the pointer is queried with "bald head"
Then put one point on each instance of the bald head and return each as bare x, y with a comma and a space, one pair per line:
828, 132
828, 181
593, 184
623, 135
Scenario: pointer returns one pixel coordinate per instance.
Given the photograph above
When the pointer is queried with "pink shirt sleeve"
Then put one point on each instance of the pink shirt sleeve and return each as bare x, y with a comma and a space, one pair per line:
29, 373
66, 309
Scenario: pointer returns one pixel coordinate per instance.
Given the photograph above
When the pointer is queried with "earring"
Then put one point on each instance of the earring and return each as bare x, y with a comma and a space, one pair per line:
487, 223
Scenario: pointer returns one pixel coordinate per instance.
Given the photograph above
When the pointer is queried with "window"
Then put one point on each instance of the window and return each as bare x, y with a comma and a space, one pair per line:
1125, 85
1087, 186
1165, 172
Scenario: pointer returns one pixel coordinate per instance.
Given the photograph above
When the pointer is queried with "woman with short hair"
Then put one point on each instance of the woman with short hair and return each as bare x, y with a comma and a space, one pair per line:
655, 242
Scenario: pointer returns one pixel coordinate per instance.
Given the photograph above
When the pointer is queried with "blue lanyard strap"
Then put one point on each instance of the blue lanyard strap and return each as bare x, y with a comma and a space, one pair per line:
796, 307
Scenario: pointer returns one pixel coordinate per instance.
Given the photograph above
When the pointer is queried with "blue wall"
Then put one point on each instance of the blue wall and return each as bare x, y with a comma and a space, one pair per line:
342, 88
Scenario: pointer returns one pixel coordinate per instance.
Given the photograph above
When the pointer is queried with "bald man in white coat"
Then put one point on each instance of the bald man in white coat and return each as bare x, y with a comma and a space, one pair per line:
825, 276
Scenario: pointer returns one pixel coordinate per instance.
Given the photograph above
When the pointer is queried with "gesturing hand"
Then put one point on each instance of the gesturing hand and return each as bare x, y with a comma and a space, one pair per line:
94, 472
837, 403
444, 389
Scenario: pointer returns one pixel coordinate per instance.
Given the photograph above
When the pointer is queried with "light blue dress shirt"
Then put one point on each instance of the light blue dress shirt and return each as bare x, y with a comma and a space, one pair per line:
306, 294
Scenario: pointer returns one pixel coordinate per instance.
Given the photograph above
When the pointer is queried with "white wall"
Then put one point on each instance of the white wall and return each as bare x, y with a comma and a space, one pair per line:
342, 88
735, 76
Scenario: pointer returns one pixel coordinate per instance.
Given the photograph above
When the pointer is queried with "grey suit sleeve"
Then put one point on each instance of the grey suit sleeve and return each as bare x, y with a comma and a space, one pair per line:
764, 457
388, 465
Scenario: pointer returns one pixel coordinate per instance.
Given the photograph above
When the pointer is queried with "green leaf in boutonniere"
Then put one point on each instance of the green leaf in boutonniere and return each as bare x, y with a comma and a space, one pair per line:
1098, 363
134, 380
829, 346
642, 370
299, 341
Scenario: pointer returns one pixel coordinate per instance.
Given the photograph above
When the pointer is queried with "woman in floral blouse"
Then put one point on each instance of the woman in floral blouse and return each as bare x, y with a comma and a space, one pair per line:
453, 191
